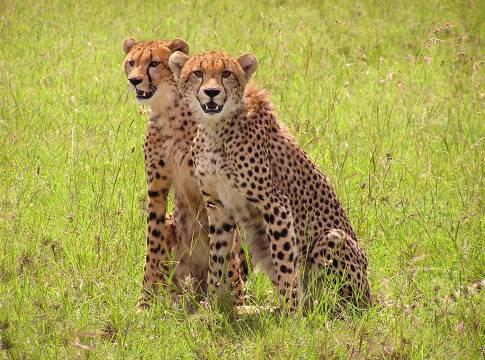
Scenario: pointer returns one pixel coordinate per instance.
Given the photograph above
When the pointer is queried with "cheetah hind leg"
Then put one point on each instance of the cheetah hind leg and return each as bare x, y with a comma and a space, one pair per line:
337, 259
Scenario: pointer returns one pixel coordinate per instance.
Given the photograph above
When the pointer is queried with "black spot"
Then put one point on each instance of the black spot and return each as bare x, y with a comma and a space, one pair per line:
156, 233
153, 193
161, 163
155, 250
212, 229
226, 227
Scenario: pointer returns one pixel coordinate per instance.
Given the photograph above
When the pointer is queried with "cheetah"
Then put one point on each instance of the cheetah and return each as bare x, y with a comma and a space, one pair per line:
182, 238
252, 173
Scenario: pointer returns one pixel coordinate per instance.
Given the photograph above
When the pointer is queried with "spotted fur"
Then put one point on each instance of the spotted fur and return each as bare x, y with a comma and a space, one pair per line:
253, 173
177, 246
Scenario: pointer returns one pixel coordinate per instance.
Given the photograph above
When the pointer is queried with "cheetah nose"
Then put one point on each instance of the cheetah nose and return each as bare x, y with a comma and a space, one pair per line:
134, 81
212, 92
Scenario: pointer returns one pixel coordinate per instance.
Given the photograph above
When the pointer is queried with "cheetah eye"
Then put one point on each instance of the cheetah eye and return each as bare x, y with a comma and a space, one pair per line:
131, 62
198, 73
154, 63
226, 74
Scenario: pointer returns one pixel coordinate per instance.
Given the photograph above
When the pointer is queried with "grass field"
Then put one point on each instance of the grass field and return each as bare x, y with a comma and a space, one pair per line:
385, 96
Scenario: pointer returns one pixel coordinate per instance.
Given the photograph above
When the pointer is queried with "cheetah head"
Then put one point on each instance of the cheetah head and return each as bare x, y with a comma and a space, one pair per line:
146, 67
212, 83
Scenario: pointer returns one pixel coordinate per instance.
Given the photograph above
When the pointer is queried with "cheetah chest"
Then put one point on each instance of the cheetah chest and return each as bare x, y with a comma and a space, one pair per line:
214, 173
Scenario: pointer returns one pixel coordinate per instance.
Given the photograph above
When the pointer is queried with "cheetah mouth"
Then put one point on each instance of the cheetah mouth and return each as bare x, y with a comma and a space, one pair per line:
144, 95
211, 107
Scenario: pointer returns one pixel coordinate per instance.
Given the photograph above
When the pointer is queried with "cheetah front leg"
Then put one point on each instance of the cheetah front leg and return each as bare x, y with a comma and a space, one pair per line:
284, 247
258, 188
221, 238
158, 232
238, 269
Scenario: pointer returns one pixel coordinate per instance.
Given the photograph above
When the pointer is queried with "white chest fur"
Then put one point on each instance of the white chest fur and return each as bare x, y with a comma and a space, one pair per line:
213, 169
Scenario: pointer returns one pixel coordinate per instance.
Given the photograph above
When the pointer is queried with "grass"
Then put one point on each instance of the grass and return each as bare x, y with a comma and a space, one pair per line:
385, 98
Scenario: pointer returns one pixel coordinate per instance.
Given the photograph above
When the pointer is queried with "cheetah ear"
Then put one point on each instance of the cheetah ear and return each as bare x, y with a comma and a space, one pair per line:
249, 63
179, 45
176, 62
128, 43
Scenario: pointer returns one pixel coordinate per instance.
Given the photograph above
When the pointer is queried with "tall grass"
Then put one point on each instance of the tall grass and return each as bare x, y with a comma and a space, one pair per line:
386, 97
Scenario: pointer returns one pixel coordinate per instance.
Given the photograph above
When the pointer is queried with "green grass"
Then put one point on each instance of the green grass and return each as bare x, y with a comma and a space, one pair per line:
388, 108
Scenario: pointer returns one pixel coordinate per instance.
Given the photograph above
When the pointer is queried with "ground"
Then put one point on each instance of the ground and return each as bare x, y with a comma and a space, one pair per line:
386, 98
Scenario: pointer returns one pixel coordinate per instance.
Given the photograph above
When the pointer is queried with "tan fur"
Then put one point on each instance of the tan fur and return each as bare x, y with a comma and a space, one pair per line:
252, 173
177, 247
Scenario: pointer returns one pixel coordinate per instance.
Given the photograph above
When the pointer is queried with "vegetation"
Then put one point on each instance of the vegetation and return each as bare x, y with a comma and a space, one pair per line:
385, 96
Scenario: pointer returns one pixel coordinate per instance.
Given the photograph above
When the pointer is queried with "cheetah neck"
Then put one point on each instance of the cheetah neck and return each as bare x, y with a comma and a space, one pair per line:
165, 108
217, 129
